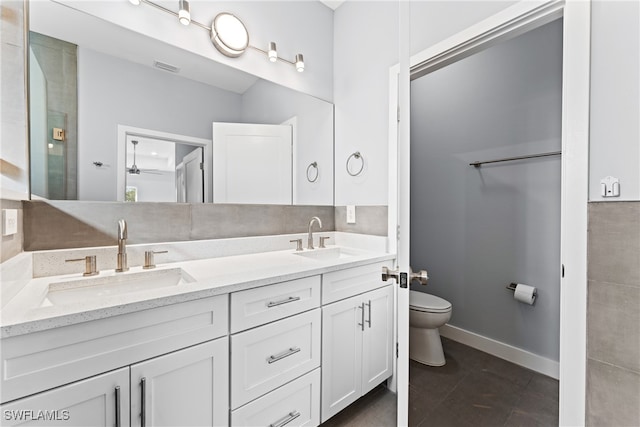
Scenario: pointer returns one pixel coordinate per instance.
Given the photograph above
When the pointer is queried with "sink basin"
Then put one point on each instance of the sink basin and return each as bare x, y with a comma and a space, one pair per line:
73, 291
335, 252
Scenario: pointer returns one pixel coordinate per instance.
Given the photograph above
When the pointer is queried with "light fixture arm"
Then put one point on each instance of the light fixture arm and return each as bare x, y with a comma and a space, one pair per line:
296, 63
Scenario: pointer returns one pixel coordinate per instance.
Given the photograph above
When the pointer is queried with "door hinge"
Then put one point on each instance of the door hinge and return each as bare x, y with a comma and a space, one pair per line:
398, 114
201, 166
397, 350
398, 233
563, 271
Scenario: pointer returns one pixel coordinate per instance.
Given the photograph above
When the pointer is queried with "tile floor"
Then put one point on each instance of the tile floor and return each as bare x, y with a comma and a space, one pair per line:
472, 389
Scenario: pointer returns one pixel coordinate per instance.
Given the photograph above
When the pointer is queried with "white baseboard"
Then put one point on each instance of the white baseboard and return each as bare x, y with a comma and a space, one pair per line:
504, 351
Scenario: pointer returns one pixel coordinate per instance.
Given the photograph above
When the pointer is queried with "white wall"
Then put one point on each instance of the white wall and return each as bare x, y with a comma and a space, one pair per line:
112, 91
365, 47
478, 229
297, 27
615, 97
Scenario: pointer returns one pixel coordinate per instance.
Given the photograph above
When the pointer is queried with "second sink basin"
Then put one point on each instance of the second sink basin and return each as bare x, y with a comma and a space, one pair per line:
73, 291
335, 252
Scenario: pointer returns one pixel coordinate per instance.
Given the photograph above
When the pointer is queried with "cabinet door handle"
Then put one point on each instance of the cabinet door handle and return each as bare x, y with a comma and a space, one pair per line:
284, 301
361, 307
143, 409
286, 419
287, 353
118, 413
369, 321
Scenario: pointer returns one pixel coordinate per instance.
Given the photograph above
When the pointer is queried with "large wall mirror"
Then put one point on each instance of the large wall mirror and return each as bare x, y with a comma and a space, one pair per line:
118, 116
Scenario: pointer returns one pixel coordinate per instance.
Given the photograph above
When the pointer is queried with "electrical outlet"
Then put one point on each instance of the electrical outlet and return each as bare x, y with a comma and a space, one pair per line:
9, 222
351, 214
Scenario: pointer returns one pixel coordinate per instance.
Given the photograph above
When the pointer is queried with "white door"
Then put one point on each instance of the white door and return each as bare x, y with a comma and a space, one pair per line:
98, 401
194, 176
181, 188
252, 163
341, 355
188, 387
377, 343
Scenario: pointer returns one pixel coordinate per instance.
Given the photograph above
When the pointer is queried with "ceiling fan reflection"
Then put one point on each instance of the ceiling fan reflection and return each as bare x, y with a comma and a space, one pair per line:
135, 170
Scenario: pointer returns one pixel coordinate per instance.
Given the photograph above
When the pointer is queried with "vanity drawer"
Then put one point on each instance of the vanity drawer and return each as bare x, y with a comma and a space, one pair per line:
46, 359
346, 283
269, 356
258, 306
297, 402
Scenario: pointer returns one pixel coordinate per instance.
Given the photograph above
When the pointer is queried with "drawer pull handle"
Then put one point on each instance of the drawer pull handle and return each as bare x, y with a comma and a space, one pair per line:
143, 409
286, 420
284, 301
118, 412
287, 353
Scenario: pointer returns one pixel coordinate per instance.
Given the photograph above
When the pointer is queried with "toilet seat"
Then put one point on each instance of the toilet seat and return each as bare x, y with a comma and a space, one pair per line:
428, 303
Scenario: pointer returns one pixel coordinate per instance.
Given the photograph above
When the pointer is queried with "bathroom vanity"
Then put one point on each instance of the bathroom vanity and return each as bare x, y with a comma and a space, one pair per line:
233, 340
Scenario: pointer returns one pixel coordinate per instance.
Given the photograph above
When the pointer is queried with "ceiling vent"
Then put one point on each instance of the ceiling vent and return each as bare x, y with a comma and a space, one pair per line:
166, 67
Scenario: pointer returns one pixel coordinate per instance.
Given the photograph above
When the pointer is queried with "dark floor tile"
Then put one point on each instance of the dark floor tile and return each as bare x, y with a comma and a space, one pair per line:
481, 399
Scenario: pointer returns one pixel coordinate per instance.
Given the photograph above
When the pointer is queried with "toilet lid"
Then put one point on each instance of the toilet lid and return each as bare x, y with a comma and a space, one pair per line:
426, 302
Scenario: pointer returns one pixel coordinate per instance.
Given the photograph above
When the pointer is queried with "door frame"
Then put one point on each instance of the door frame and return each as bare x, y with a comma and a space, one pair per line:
121, 152
511, 22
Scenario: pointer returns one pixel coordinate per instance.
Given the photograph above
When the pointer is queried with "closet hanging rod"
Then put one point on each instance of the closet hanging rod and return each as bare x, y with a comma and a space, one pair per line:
508, 159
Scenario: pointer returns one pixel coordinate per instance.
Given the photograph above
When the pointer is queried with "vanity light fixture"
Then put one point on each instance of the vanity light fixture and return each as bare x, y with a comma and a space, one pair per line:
227, 32
229, 35
272, 53
184, 13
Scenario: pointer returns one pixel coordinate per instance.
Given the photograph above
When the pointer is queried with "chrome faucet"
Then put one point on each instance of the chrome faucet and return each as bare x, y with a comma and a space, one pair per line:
310, 237
122, 246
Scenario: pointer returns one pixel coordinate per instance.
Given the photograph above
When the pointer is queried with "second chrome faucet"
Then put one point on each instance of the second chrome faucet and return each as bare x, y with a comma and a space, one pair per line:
310, 236
122, 247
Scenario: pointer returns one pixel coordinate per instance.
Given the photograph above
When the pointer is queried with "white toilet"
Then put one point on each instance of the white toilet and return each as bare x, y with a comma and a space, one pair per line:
426, 314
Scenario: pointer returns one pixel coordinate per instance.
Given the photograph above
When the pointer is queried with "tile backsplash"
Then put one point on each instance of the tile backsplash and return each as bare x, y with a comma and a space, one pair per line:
613, 314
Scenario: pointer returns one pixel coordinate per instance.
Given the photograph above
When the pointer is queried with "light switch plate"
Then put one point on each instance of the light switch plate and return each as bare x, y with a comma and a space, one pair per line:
9, 222
610, 187
351, 214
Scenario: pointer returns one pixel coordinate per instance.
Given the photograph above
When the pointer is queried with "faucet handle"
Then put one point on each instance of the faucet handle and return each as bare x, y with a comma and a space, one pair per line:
148, 259
298, 243
89, 266
322, 240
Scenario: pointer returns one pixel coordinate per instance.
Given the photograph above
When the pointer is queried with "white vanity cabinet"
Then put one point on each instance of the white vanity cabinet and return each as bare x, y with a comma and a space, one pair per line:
185, 388
357, 347
181, 350
275, 375
98, 401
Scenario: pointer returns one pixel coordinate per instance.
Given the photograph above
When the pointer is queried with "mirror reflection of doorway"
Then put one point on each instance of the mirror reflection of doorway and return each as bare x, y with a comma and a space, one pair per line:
163, 171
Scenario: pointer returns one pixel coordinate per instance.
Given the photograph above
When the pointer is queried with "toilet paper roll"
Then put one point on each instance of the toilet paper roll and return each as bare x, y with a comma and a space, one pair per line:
525, 293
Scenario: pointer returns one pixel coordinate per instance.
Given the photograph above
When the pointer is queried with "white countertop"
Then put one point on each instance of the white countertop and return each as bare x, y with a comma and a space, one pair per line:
29, 311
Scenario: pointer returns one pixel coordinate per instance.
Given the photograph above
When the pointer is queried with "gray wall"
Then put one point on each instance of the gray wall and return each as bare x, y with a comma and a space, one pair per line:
112, 91
478, 229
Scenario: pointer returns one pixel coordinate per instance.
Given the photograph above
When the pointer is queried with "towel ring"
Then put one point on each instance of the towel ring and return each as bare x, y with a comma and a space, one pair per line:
355, 155
315, 166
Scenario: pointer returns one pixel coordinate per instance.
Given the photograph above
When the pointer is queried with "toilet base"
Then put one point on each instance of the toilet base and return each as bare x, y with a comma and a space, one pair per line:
425, 346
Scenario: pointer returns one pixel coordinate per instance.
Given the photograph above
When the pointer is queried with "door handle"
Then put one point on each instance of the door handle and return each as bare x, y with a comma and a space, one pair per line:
390, 274
421, 276
369, 321
361, 307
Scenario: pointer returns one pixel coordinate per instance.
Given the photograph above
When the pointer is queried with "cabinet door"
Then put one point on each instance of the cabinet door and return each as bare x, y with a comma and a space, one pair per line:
341, 355
92, 402
377, 341
189, 387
